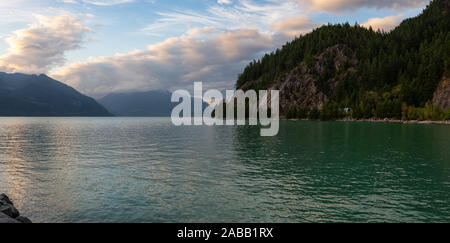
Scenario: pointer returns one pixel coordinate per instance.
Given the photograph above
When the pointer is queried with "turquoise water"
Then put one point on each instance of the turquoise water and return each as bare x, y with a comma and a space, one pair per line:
146, 170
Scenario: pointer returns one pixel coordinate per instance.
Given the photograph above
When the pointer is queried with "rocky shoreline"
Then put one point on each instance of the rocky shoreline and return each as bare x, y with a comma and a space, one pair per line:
374, 120
396, 121
8, 213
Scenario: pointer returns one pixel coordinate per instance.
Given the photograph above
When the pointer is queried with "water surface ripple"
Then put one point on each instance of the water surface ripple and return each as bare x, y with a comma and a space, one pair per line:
146, 170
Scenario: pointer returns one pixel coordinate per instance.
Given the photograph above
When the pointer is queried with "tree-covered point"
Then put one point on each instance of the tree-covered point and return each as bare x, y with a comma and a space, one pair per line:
402, 67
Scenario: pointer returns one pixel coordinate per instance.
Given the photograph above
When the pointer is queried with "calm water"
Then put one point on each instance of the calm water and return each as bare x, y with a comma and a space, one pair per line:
146, 170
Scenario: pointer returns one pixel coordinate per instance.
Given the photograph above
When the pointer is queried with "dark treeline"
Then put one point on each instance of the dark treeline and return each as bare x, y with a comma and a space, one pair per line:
396, 75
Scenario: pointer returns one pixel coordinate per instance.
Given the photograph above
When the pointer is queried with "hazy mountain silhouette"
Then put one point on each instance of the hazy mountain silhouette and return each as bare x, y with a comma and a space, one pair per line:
141, 104
33, 95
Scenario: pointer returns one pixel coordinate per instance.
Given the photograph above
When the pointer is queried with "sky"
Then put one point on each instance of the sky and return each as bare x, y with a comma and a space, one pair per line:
105, 46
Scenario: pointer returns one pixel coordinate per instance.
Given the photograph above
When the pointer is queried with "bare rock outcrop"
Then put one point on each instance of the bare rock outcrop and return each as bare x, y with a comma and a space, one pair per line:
299, 87
441, 96
8, 213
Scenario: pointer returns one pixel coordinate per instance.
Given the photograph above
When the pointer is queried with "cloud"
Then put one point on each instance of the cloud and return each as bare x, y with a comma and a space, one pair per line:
294, 26
24, 11
244, 14
173, 63
351, 5
215, 46
224, 2
41, 46
179, 19
107, 2
200, 32
68, 1
98, 2
386, 23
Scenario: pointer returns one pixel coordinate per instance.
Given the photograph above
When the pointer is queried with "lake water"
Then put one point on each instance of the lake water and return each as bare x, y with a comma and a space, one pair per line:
146, 170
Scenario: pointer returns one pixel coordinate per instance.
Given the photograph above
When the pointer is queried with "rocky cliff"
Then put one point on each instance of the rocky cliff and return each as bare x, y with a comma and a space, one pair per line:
441, 96
299, 87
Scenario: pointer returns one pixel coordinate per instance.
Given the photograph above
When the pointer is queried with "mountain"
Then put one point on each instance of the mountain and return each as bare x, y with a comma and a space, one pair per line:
400, 74
141, 104
150, 103
33, 95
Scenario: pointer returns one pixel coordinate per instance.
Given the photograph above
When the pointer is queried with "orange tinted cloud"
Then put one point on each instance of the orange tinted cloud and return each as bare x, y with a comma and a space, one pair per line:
350, 5
386, 23
294, 26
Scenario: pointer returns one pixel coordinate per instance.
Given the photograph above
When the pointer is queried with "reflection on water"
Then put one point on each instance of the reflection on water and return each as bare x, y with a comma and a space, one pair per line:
146, 170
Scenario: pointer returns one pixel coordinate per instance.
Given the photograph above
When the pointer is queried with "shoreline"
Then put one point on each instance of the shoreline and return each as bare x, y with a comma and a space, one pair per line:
8, 213
376, 120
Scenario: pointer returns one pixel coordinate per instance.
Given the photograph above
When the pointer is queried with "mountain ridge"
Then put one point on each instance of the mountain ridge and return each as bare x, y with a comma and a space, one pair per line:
40, 95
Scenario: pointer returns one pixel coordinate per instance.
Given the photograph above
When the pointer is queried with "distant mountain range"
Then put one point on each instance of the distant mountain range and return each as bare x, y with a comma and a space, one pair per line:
140, 104
40, 95
151, 103
33, 95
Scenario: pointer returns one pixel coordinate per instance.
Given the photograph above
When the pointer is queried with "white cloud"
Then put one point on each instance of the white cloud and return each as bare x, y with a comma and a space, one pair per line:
41, 46
200, 32
386, 23
97, 2
68, 1
174, 63
224, 2
243, 14
24, 12
180, 19
107, 2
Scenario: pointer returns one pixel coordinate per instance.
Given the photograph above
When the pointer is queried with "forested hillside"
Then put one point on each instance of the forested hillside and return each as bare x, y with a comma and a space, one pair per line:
377, 74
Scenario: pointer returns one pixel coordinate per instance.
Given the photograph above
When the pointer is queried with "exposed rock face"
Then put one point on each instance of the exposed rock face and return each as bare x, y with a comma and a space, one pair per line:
441, 96
8, 213
299, 87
